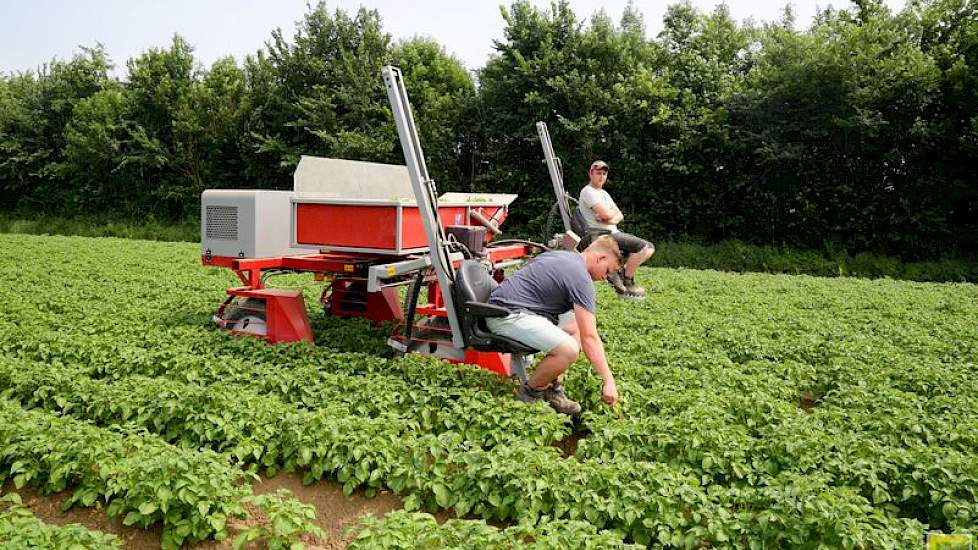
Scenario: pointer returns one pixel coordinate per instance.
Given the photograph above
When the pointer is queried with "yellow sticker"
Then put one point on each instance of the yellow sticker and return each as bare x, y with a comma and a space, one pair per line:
941, 541
391, 271
348, 268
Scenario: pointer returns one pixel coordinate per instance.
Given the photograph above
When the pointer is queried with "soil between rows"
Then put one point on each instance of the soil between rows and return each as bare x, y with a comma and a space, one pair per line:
334, 513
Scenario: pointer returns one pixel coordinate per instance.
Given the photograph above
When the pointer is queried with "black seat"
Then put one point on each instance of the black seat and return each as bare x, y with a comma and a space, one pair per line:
473, 284
579, 225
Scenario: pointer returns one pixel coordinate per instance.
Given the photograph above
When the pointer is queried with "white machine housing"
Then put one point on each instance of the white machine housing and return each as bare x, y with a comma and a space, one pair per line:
241, 223
246, 223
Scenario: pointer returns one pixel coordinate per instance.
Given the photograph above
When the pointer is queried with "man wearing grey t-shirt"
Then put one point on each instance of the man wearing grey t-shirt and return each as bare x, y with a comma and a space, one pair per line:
553, 306
603, 216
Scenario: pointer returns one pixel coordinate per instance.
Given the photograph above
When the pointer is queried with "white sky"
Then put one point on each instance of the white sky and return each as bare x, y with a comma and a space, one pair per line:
34, 31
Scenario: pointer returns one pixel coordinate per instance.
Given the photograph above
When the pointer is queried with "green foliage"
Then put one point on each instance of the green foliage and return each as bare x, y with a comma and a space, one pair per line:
409, 530
857, 133
286, 519
34, 112
143, 480
104, 225
20, 530
737, 256
758, 411
319, 94
440, 89
834, 136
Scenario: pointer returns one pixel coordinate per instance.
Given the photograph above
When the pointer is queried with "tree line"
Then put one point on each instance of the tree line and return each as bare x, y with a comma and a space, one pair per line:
859, 132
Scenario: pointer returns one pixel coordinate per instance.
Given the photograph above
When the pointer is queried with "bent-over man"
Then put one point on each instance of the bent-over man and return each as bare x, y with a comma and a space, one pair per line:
553, 304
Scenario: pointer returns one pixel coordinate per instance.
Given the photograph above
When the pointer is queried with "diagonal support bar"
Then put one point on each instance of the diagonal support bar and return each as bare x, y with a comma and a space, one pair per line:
425, 193
556, 174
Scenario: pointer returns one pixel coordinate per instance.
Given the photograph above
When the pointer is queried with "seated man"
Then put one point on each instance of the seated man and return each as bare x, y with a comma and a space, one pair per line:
553, 303
603, 216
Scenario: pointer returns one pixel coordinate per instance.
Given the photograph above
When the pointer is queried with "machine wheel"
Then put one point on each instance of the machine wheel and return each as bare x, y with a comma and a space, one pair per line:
249, 317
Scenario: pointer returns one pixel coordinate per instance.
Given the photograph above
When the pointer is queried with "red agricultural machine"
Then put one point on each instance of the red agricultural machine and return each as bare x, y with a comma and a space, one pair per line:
367, 229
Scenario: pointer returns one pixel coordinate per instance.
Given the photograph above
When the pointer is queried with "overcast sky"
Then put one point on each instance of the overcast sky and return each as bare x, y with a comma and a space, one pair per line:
34, 31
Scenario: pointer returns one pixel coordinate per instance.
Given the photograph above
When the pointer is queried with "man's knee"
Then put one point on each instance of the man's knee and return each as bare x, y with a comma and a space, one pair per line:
648, 251
567, 352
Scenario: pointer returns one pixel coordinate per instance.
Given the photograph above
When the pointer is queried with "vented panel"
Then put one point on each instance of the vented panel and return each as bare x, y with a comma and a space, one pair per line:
222, 222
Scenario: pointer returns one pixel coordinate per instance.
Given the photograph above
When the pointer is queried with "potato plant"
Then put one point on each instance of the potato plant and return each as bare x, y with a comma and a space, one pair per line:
758, 411
20, 530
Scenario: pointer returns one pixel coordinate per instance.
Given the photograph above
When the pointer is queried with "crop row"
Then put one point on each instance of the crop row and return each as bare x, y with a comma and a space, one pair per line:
141, 478
411, 530
436, 396
898, 449
254, 428
645, 501
250, 428
20, 529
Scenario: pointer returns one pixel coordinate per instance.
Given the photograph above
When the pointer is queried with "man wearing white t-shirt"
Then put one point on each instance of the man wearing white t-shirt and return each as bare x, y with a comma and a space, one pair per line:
603, 216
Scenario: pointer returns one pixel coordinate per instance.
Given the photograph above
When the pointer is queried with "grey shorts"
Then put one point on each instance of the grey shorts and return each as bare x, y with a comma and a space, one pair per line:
533, 330
630, 244
627, 243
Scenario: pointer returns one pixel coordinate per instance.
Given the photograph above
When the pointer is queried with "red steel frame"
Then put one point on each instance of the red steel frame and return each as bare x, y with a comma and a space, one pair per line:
286, 315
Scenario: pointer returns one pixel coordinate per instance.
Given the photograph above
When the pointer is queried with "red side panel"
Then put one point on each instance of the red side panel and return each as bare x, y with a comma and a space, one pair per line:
413, 228
361, 226
412, 233
344, 225
453, 215
287, 319
285, 310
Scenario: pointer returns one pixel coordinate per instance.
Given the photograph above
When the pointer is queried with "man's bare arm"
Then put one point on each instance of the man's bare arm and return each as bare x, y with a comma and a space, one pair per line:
605, 214
594, 351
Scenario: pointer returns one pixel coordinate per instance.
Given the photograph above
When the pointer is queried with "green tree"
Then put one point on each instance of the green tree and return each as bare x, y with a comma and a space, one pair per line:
439, 88
34, 112
598, 87
943, 204
824, 120
320, 94
162, 155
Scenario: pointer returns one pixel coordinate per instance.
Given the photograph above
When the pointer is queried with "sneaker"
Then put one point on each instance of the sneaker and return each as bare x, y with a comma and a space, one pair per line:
554, 397
632, 290
616, 280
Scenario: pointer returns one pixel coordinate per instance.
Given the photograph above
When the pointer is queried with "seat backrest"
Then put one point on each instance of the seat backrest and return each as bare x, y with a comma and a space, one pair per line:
473, 283
578, 222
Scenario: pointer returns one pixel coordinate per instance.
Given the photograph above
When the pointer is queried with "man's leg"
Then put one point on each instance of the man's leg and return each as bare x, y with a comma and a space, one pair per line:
568, 323
638, 258
561, 349
639, 251
553, 366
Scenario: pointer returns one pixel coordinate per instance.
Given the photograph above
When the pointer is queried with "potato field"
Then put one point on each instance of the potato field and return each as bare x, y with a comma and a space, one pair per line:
758, 412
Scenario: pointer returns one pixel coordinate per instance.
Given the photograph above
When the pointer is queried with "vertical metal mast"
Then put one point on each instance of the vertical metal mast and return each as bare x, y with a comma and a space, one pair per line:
424, 192
556, 175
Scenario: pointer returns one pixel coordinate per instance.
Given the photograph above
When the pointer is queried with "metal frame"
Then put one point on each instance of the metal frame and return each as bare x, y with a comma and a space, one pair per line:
426, 195
376, 273
556, 174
